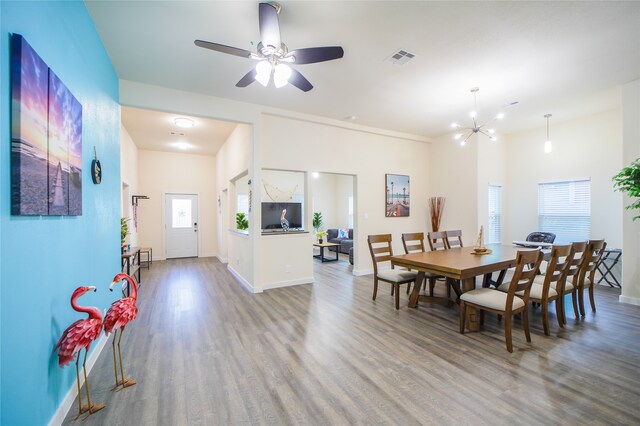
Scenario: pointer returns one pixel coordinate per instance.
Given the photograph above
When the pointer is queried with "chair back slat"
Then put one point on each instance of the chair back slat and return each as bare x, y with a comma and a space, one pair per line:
436, 241
558, 267
453, 238
522, 279
380, 249
579, 249
413, 242
594, 251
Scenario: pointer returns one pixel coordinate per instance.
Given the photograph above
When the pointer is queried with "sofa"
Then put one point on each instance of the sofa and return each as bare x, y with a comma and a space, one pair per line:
345, 243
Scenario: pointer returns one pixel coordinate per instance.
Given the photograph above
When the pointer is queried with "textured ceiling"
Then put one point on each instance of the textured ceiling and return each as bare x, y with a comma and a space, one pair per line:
563, 58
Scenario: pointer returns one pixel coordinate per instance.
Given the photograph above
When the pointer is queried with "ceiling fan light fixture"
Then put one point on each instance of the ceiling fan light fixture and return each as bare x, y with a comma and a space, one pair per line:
263, 72
184, 122
281, 75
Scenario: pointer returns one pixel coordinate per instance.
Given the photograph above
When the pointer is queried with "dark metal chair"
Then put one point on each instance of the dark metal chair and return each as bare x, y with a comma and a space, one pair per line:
541, 237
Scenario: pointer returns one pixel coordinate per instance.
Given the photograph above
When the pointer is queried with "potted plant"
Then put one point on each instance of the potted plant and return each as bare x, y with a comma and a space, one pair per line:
628, 182
124, 230
242, 222
317, 221
320, 235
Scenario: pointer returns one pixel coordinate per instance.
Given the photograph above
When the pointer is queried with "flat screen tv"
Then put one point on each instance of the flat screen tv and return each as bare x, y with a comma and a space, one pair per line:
271, 216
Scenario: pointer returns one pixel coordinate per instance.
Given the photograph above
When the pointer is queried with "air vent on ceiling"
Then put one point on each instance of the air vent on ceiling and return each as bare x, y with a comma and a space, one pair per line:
400, 57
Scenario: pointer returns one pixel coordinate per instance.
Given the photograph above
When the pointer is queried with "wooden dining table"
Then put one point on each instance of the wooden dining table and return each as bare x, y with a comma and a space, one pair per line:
459, 263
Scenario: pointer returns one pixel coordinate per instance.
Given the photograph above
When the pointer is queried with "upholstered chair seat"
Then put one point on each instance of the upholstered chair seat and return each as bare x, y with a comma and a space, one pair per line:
491, 298
397, 275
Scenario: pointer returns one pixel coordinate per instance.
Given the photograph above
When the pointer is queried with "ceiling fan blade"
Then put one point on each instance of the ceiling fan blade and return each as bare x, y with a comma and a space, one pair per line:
298, 80
269, 26
248, 78
316, 54
224, 49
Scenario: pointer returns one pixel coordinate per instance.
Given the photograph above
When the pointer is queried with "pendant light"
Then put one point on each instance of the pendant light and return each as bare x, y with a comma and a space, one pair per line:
547, 145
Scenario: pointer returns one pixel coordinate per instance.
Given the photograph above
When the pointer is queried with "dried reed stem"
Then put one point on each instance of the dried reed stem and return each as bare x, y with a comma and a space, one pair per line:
436, 206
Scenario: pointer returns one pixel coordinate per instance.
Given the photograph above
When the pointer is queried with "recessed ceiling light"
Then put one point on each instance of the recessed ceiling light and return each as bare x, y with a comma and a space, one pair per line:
183, 122
182, 145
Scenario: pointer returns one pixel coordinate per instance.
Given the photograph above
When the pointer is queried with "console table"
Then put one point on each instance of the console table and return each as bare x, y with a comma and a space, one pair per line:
322, 247
131, 265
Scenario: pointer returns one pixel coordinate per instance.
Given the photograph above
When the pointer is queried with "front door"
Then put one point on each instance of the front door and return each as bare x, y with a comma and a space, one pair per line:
181, 225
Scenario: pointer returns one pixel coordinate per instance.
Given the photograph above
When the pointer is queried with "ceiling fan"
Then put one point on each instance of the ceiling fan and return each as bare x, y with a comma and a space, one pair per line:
273, 56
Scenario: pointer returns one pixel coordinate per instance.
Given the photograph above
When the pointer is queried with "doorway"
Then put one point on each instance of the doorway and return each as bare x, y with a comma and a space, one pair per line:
333, 196
181, 225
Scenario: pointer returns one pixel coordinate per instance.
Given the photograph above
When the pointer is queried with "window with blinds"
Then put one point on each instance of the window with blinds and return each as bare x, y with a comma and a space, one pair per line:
494, 233
564, 208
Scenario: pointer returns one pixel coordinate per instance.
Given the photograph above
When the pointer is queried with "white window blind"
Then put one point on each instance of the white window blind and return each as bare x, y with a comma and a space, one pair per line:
564, 208
351, 211
494, 233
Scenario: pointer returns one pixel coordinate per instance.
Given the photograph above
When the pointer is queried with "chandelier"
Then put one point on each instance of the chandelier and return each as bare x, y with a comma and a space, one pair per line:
467, 132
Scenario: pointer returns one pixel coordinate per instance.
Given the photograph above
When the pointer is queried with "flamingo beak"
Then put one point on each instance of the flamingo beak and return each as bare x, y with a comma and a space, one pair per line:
112, 284
91, 287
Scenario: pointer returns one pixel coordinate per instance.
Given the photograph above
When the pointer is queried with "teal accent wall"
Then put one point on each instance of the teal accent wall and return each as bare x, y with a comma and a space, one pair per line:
44, 258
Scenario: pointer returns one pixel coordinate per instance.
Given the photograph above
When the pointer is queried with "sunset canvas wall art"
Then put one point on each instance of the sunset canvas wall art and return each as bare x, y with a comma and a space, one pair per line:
46, 138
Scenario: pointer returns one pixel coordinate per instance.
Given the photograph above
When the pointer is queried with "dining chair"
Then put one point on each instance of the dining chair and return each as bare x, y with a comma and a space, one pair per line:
586, 276
437, 241
505, 304
549, 287
381, 251
413, 242
453, 238
570, 287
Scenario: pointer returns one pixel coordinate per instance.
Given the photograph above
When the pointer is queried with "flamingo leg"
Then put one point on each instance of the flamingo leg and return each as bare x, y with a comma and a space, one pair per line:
125, 382
78, 381
91, 408
115, 365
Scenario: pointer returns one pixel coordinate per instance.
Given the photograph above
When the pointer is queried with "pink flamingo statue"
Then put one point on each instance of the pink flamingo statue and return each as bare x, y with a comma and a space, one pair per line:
118, 316
76, 337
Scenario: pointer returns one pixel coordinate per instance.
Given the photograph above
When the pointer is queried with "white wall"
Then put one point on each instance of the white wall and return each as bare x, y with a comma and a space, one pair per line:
165, 172
631, 229
233, 160
129, 176
453, 174
588, 147
365, 154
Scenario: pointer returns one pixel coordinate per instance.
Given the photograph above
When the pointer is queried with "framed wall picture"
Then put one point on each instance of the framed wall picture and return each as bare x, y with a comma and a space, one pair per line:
397, 199
46, 138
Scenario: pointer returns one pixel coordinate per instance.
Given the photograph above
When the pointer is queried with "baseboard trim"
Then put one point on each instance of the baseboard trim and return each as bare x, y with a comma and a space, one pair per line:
290, 283
67, 402
223, 259
246, 284
629, 300
361, 272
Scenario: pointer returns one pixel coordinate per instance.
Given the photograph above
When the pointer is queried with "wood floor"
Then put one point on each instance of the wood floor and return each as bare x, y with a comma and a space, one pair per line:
206, 352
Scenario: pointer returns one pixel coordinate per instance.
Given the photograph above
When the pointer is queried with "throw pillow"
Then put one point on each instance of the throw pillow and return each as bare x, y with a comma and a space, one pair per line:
343, 233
